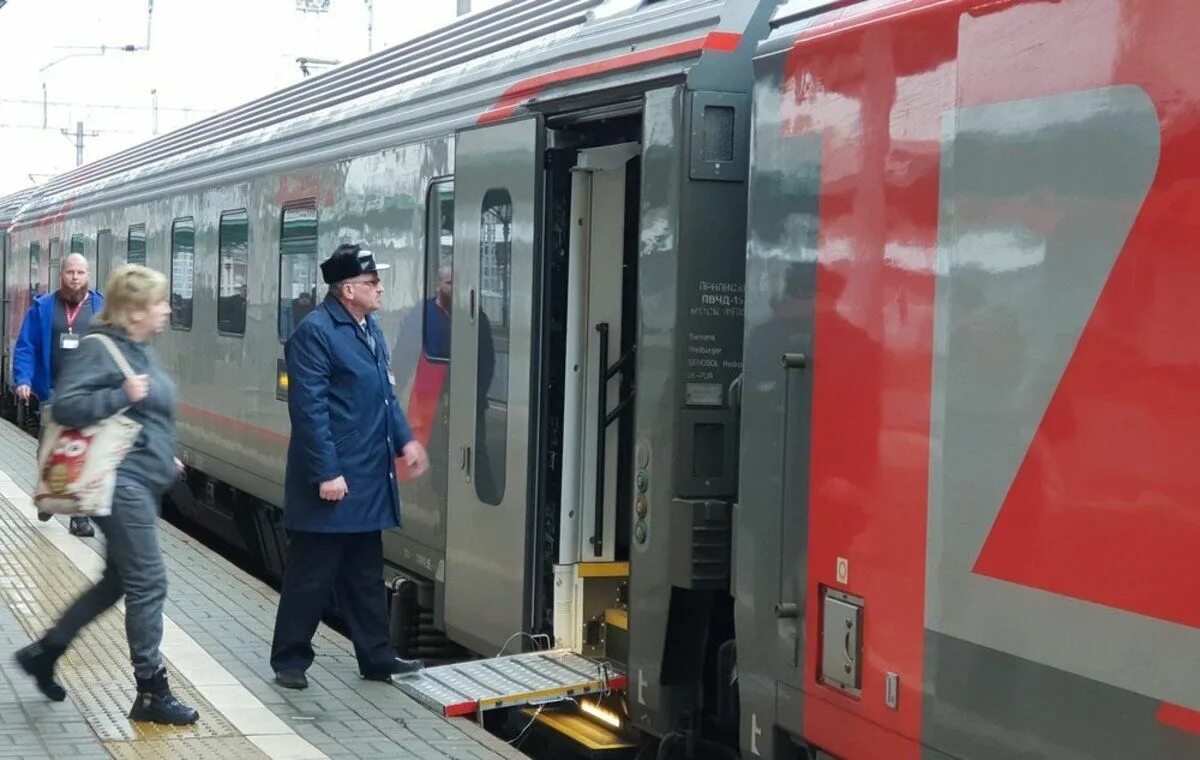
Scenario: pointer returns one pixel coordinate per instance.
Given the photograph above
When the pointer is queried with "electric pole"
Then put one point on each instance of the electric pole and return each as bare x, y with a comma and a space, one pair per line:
78, 141
370, 26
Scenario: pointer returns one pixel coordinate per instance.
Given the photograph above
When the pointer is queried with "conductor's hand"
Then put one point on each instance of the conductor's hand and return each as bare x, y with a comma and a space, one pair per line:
334, 490
137, 387
415, 458
24, 392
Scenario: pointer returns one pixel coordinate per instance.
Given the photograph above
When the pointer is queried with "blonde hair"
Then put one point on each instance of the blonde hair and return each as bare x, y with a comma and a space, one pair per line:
131, 288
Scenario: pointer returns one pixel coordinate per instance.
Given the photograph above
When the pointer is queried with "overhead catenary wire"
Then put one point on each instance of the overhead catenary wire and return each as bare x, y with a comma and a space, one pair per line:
104, 106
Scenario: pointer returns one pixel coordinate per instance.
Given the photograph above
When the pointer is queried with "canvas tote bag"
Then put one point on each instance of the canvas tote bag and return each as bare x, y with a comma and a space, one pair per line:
77, 469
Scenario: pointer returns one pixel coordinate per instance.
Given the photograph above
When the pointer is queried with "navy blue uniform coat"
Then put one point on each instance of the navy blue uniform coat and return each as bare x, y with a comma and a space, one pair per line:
345, 422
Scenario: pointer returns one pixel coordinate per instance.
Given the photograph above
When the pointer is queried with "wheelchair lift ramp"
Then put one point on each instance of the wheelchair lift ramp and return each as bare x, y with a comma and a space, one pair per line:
509, 681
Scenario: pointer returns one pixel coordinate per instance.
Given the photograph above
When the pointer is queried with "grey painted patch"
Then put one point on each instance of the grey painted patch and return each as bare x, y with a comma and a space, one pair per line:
984, 704
1038, 198
771, 518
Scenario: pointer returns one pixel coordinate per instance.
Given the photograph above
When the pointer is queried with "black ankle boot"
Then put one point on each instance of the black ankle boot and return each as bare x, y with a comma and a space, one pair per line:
155, 703
38, 660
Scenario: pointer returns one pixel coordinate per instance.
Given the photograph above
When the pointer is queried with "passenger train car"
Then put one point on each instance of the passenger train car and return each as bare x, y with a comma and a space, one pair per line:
946, 506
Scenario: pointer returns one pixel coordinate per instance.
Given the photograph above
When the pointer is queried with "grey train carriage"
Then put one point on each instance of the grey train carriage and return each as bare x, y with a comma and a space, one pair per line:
560, 186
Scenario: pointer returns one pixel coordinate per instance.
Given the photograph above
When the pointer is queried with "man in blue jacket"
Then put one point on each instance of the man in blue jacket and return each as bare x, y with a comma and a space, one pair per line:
52, 329
340, 488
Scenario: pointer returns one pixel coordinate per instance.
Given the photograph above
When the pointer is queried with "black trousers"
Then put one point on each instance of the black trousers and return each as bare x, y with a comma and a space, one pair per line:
350, 565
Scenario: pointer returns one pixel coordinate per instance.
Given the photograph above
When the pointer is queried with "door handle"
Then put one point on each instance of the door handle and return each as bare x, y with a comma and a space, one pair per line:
794, 361
471, 305
465, 466
787, 611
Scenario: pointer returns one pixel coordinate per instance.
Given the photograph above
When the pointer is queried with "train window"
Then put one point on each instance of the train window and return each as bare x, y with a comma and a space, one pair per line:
183, 255
232, 271
135, 251
55, 264
104, 248
79, 245
297, 265
439, 271
491, 419
35, 269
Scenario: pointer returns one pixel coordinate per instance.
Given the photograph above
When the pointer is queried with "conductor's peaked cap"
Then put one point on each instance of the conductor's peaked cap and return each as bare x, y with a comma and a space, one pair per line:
349, 260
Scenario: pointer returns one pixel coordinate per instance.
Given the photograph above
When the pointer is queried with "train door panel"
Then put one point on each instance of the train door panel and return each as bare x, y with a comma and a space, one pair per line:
496, 211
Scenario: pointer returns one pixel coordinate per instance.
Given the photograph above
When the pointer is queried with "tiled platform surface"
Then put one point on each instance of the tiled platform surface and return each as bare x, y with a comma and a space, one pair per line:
218, 633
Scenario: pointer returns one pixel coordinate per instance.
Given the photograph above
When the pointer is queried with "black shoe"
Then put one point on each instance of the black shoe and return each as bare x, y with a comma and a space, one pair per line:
38, 660
162, 708
44, 516
81, 526
291, 679
399, 667
155, 703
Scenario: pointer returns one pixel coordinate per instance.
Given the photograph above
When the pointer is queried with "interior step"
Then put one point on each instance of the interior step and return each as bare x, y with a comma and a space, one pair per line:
569, 733
511, 681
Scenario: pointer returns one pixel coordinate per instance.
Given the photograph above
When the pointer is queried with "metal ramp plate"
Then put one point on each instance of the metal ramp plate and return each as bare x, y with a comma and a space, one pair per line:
517, 679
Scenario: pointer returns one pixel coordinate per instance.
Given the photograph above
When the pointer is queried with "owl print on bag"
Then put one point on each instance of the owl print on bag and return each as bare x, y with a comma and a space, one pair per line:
67, 461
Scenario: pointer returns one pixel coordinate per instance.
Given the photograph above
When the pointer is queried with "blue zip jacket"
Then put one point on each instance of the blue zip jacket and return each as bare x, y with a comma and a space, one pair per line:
345, 422
31, 355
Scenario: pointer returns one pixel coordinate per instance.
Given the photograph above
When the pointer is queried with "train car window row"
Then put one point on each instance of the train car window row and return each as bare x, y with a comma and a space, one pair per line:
135, 249
232, 272
439, 271
183, 255
297, 265
495, 278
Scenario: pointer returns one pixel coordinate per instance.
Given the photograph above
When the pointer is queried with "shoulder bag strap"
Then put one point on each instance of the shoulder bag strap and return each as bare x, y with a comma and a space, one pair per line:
115, 353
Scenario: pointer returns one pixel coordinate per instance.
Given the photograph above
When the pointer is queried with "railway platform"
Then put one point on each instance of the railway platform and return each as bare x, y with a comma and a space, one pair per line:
217, 639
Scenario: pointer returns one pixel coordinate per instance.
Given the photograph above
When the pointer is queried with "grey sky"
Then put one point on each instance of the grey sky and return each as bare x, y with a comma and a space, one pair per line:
206, 56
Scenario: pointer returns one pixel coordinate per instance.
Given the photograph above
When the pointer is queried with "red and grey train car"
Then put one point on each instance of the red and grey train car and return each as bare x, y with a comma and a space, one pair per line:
824, 365
968, 514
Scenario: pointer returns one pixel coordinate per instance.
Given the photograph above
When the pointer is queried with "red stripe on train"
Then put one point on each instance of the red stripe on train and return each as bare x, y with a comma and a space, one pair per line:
519, 93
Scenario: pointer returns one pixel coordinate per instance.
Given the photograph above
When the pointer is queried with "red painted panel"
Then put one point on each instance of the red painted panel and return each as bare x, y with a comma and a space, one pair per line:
876, 95
1179, 717
1106, 504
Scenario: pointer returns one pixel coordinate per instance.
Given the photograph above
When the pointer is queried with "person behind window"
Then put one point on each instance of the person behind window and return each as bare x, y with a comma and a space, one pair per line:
92, 388
51, 330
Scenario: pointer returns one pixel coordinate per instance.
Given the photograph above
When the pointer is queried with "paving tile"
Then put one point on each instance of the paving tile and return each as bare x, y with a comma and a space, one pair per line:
230, 616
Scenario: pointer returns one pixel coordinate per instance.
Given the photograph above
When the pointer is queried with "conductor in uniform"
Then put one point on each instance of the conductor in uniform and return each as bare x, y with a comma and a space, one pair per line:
340, 493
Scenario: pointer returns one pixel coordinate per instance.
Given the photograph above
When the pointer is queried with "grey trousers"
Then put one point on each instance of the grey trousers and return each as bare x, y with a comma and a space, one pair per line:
134, 569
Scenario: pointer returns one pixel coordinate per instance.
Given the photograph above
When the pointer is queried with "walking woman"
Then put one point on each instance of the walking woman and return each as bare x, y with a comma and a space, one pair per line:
93, 388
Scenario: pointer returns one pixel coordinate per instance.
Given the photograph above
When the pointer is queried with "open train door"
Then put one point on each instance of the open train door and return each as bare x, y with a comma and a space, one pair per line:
497, 218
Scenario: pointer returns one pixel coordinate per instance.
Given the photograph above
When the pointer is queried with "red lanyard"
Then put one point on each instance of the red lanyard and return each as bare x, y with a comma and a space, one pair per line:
72, 314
